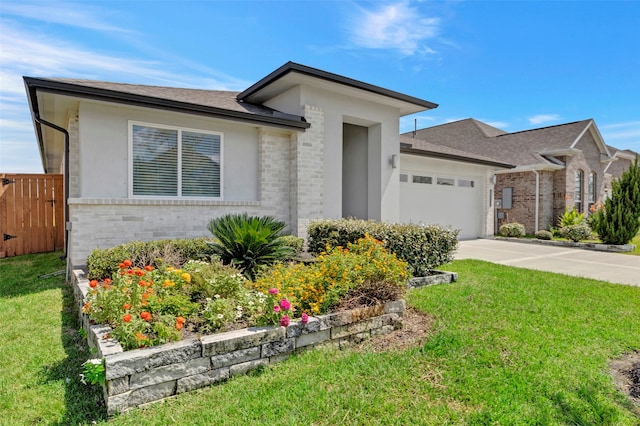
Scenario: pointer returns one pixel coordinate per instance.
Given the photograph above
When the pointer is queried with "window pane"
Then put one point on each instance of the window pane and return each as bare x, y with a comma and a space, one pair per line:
466, 183
592, 187
155, 161
404, 177
578, 190
422, 179
446, 181
200, 165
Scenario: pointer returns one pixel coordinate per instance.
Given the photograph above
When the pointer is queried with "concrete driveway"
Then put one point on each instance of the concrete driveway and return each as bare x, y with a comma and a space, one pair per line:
612, 267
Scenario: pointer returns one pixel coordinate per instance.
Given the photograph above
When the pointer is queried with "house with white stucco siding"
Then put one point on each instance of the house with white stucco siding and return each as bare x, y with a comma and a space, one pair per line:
147, 162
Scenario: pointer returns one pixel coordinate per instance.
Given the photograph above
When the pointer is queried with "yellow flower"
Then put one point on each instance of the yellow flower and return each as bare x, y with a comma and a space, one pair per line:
186, 276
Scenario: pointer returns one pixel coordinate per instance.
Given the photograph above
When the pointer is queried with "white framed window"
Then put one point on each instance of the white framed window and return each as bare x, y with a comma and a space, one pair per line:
174, 162
591, 188
579, 189
466, 183
422, 179
446, 181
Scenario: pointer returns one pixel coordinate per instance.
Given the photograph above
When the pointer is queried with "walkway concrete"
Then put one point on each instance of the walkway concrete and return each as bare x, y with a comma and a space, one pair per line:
612, 267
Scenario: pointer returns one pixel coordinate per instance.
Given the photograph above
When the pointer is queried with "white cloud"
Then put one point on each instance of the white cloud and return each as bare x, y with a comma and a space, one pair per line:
395, 26
68, 14
32, 52
624, 135
543, 118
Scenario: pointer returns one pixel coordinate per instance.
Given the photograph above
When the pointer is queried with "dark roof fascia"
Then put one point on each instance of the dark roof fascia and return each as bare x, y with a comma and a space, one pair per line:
445, 156
335, 78
32, 98
69, 89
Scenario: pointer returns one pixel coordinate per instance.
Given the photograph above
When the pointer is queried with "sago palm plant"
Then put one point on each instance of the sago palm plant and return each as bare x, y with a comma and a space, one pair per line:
248, 241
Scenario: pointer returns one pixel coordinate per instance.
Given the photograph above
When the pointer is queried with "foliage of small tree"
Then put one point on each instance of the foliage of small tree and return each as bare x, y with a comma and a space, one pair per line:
248, 241
618, 220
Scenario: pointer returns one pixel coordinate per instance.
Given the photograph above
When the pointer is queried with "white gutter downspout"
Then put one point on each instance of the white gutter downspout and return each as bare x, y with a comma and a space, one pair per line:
537, 199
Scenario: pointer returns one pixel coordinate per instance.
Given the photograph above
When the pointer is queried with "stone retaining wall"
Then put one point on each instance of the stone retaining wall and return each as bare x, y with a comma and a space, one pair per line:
141, 376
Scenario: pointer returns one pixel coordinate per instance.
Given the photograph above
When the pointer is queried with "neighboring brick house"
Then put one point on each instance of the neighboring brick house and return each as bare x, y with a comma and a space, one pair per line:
557, 167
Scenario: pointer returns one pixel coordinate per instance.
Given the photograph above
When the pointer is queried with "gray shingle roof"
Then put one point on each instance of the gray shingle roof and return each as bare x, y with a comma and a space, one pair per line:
520, 148
409, 144
212, 101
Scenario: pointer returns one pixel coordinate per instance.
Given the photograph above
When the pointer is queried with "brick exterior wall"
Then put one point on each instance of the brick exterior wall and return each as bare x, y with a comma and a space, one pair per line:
557, 188
307, 172
74, 157
291, 168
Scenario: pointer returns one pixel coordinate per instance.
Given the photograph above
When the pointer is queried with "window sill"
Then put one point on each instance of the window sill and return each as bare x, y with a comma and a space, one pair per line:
153, 202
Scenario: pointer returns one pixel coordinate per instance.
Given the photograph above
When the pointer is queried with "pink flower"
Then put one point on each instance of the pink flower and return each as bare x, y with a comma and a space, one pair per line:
273, 290
284, 321
276, 308
305, 318
284, 304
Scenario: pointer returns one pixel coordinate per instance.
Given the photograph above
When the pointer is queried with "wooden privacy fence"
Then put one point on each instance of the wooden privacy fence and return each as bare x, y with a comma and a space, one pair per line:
31, 214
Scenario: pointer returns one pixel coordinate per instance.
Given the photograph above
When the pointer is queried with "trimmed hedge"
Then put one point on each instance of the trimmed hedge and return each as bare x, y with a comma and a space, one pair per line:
576, 233
423, 247
513, 229
103, 263
544, 235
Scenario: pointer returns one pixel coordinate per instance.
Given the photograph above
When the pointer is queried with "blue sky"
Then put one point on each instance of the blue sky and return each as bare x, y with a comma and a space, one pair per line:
515, 65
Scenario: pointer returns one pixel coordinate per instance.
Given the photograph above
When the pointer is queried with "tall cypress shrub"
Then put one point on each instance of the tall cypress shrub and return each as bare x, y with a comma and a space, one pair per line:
618, 221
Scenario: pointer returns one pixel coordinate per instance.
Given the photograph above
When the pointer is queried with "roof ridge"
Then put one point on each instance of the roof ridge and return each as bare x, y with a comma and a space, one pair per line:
71, 80
546, 127
438, 125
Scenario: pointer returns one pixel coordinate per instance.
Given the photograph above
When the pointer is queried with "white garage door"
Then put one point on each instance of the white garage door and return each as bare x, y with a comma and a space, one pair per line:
438, 198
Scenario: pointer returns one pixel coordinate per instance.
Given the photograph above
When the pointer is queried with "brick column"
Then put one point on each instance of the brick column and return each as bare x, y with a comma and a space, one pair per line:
307, 172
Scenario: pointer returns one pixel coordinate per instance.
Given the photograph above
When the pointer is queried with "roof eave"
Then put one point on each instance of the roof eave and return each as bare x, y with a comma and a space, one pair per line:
534, 167
68, 89
454, 157
32, 99
335, 78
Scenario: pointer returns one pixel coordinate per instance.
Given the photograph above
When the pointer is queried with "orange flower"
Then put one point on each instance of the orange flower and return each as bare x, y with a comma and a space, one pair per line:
145, 316
139, 272
93, 283
129, 272
150, 290
142, 283
126, 306
86, 308
123, 272
144, 303
127, 263
121, 265
145, 296
127, 317
148, 268
179, 323
107, 281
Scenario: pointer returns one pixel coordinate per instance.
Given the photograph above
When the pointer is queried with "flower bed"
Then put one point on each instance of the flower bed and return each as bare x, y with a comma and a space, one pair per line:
152, 325
141, 376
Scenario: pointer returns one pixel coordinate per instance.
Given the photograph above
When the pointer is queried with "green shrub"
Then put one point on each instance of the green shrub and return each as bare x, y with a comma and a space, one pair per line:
423, 247
618, 220
513, 229
544, 235
570, 217
248, 241
296, 244
103, 263
575, 233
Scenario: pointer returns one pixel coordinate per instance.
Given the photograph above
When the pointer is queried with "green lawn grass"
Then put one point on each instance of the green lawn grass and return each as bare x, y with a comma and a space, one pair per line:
509, 346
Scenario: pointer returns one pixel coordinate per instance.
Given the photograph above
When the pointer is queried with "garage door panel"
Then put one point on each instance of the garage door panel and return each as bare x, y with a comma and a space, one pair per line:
450, 206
